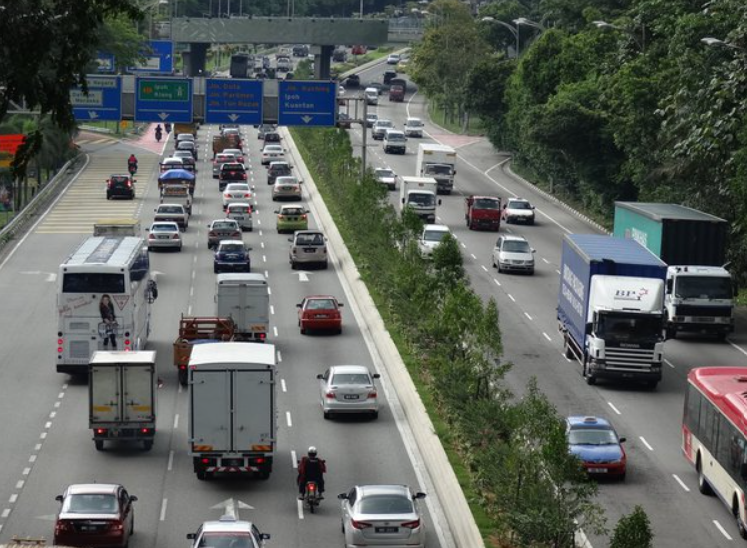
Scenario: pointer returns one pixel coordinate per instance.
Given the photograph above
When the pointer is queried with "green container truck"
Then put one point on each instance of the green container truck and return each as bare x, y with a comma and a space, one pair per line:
699, 291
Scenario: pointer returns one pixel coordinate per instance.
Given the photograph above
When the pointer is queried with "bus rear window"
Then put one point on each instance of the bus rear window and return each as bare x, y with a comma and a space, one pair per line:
93, 282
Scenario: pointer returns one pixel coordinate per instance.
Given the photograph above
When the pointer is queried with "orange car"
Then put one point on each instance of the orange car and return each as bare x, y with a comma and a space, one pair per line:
319, 312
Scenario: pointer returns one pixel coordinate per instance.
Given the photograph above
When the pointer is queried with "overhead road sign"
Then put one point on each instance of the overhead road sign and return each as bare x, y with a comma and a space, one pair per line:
234, 101
159, 58
105, 62
103, 102
307, 103
163, 100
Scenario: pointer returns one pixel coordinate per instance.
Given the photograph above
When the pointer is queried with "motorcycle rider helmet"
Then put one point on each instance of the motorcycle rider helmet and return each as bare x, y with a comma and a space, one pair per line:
312, 451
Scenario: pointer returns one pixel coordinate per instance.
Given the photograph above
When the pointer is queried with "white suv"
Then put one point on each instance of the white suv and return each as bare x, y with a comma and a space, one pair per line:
414, 127
513, 254
430, 238
395, 141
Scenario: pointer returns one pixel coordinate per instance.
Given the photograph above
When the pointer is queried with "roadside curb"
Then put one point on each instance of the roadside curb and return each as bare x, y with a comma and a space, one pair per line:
460, 527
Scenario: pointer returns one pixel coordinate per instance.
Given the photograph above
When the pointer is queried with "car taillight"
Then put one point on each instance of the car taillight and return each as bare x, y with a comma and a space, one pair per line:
411, 524
281, 217
303, 216
259, 460
262, 336
151, 236
247, 195
146, 431
360, 524
226, 194
372, 395
330, 395
243, 175
108, 183
100, 431
63, 525
175, 237
129, 184
211, 234
116, 525
237, 234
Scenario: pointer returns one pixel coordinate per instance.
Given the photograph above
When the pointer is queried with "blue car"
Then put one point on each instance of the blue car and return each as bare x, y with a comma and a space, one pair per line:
596, 444
231, 256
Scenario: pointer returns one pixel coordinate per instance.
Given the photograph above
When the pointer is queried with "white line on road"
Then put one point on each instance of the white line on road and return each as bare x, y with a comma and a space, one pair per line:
19, 484
176, 421
557, 271
47, 425
13, 498
189, 310
282, 385
723, 531
6, 512
300, 509
280, 357
462, 244
670, 364
52, 414
37, 447
60, 395
742, 350
163, 509
26, 471
269, 291
643, 440
288, 418
497, 282
267, 274
484, 267
547, 336
294, 459
615, 409
272, 309
275, 331
682, 483
32, 458
170, 465
43, 436
473, 256
57, 404
527, 315
264, 258
546, 261
260, 233
511, 297
262, 245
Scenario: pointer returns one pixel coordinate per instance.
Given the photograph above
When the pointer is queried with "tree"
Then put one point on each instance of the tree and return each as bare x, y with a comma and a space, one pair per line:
47, 46
633, 531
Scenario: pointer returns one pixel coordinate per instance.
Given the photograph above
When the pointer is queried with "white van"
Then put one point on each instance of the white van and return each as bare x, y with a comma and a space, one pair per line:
371, 95
240, 212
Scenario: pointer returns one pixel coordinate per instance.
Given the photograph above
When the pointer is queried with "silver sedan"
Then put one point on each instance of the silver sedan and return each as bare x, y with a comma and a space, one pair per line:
164, 235
382, 515
348, 389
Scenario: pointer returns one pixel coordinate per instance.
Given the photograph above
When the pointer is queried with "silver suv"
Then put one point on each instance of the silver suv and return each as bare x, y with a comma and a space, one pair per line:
513, 254
308, 247
379, 128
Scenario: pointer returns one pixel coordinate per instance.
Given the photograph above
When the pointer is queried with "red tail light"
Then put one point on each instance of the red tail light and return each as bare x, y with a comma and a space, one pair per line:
411, 524
372, 395
237, 234
303, 216
175, 237
262, 336
330, 395
243, 175
129, 184
247, 195
145, 431
101, 431
312, 486
116, 525
151, 236
62, 526
259, 461
211, 234
360, 524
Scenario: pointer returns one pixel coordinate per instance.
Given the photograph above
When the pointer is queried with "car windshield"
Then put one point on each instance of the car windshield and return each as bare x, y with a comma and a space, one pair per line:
90, 504
170, 209
703, 287
484, 203
385, 504
592, 436
515, 246
291, 211
384, 124
424, 200
232, 167
233, 208
309, 239
372, 117
225, 158
286, 181
434, 235
395, 137
414, 123
320, 304
519, 205
223, 226
351, 378
226, 540
384, 173
164, 228
232, 248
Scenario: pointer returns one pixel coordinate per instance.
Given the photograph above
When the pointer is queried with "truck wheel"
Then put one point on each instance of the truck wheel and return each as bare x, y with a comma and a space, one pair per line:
148, 445
99, 445
183, 377
567, 351
263, 474
669, 333
591, 380
202, 475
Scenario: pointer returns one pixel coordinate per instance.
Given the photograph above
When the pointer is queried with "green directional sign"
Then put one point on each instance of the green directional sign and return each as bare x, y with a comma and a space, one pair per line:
163, 90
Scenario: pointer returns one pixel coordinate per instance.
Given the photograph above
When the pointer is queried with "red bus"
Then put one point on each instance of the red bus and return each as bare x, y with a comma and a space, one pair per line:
714, 434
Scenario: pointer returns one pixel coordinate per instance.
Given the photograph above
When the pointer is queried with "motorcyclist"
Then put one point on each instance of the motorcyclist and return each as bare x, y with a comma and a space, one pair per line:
132, 164
311, 468
159, 133
167, 127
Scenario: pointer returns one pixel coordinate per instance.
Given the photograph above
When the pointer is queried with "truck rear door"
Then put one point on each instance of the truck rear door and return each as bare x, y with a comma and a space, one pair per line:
139, 404
104, 393
210, 412
254, 411
256, 307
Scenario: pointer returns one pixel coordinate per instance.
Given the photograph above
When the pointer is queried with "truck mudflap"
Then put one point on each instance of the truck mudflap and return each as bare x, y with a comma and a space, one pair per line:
206, 466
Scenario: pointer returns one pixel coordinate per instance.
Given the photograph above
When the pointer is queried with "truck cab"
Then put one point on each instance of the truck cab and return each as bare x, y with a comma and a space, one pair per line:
482, 212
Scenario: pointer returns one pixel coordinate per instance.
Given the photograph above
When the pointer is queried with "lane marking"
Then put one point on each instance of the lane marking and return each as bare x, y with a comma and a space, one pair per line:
282, 385
718, 526
484, 267
176, 421
170, 465
163, 509
19, 484
52, 414
742, 350
288, 419
546, 261
527, 315
682, 483
300, 509
272, 310
473, 256
547, 336
643, 440
294, 459
275, 331
267, 274
614, 408
13, 498
37, 447
670, 364
497, 282
511, 297
26, 471
6, 512
280, 357
32, 458
43, 436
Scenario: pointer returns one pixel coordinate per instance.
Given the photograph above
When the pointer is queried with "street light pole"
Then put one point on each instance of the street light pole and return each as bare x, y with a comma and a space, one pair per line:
514, 31
715, 42
640, 43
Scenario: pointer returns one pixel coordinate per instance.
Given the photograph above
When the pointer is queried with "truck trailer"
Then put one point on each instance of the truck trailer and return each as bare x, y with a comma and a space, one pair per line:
439, 162
232, 409
699, 292
610, 308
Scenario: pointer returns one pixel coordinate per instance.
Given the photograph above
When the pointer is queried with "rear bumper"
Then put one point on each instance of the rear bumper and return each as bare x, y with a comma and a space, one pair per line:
323, 324
112, 538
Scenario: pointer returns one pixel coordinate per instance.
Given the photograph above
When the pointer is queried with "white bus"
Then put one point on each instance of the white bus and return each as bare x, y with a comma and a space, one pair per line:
103, 300
714, 435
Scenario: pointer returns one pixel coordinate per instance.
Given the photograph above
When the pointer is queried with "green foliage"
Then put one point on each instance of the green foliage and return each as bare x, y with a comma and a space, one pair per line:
515, 452
633, 531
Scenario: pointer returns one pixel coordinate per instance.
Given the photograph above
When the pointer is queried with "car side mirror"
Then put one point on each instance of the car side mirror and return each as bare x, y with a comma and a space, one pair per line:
340, 305
58, 498
248, 248
290, 239
299, 305
342, 496
277, 211
264, 536
320, 376
191, 536
419, 495
133, 498
439, 201
403, 201
623, 440
534, 251
376, 376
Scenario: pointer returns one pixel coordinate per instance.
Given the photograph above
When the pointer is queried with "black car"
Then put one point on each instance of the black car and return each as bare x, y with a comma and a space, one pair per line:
231, 255
343, 120
272, 137
277, 169
353, 81
231, 172
389, 75
120, 186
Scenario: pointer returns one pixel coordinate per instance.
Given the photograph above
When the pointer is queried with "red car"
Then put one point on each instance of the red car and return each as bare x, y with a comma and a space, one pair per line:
95, 514
319, 312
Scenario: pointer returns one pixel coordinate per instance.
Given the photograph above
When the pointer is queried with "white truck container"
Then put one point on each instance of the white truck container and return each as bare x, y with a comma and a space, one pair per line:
439, 162
245, 298
232, 408
122, 397
419, 194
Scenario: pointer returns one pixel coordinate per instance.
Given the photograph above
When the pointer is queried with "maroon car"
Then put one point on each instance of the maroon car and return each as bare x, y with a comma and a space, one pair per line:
95, 514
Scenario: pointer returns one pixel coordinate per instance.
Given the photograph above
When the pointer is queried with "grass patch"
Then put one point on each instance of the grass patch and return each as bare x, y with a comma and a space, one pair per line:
437, 115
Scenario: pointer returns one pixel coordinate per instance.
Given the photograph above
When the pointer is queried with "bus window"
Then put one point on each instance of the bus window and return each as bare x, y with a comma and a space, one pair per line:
93, 282
140, 266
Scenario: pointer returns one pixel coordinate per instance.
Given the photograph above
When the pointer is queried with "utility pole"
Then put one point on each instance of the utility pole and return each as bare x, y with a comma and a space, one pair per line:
365, 138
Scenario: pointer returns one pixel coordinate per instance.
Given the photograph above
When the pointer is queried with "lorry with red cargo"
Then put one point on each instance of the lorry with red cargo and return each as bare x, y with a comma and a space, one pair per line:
482, 212
195, 330
396, 93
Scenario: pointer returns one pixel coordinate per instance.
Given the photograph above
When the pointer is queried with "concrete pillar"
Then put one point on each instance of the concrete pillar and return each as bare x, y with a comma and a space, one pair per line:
323, 63
196, 60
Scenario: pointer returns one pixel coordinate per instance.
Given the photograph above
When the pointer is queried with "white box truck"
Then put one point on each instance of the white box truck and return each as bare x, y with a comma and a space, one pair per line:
232, 409
439, 162
122, 397
245, 298
419, 194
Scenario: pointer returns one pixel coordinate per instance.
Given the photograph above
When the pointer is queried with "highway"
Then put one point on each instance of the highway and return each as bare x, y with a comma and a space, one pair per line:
659, 478
48, 444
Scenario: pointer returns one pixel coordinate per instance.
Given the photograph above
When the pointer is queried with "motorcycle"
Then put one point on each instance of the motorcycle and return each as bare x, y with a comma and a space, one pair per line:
132, 168
311, 497
158, 135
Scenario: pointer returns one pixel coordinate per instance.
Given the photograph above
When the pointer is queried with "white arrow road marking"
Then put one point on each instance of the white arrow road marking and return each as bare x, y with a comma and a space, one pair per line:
231, 506
93, 114
303, 276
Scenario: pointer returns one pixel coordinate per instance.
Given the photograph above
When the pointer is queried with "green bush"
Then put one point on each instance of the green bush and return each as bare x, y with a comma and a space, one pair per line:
633, 531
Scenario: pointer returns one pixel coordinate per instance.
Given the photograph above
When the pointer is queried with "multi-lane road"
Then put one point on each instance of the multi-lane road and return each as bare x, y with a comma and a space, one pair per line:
47, 444
659, 478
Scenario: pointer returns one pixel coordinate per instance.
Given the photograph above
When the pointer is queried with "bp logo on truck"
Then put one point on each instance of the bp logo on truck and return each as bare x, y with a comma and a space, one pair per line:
630, 294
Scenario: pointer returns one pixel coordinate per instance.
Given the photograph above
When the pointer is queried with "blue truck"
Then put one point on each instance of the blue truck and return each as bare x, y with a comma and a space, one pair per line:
610, 308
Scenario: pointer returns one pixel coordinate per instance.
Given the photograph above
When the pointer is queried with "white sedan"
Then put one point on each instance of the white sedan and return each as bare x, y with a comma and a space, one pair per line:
164, 235
236, 193
348, 389
272, 153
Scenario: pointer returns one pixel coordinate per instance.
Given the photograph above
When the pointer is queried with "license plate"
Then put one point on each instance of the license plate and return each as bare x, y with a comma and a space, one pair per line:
321, 316
351, 396
163, 237
238, 217
287, 188
87, 527
598, 470
309, 249
705, 320
387, 529
232, 462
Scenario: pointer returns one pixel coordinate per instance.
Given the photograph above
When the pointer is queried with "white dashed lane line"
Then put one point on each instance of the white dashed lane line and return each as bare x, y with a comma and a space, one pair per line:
288, 419
682, 483
546, 336
670, 364
720, 528
615, 409
283, 386
644, 442
484, 267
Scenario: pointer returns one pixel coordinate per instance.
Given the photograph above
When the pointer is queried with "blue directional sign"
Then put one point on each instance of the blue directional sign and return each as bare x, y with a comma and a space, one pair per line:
307, 103
163, 100
105, 62
233, 101
103, 102
159, 58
